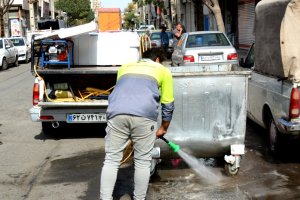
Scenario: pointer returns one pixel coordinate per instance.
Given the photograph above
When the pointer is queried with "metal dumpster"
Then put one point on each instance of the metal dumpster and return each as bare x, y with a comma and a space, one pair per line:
210, 112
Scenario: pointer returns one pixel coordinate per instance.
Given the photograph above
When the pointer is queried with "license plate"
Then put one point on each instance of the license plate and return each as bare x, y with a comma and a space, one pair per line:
82, 118
210, 58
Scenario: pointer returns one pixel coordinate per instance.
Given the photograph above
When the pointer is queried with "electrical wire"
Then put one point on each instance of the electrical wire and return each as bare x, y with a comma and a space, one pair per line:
130, 153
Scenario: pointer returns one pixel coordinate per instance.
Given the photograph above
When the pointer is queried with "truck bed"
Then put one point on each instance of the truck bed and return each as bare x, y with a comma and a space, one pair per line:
88, 69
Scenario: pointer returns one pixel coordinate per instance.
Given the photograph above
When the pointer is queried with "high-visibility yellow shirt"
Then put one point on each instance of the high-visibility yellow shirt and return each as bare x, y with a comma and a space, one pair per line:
140, 87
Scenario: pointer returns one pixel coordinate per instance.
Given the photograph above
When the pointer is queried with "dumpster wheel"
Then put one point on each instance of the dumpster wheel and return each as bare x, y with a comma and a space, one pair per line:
231, 170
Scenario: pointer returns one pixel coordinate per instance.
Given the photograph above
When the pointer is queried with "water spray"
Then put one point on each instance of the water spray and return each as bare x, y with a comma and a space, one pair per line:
208, 175
172, 145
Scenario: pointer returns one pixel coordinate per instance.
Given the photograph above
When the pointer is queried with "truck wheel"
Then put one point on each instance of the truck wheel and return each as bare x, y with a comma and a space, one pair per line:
47, 128
4, 64
274, 135
230, 170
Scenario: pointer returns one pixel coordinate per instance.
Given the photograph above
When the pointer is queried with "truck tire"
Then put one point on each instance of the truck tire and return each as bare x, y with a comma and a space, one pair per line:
274, 137
4, 64
47, 128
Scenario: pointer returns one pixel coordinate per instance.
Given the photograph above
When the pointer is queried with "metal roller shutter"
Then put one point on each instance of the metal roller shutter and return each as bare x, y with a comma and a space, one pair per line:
246, 16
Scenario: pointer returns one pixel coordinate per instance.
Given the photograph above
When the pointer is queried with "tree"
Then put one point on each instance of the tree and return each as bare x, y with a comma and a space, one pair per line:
130, 19
79, 11
4, 7
214, 6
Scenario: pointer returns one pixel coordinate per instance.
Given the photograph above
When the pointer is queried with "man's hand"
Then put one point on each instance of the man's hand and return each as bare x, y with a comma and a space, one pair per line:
162, 130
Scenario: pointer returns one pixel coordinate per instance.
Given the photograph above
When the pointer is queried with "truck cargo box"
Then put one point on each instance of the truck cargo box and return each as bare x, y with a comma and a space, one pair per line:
277, 36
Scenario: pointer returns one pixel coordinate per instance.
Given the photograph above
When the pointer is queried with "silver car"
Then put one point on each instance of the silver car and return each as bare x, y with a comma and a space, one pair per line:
204, 47
8, 53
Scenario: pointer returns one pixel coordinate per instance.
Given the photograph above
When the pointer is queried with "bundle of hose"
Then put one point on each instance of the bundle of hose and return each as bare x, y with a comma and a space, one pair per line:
96, 90
63, 94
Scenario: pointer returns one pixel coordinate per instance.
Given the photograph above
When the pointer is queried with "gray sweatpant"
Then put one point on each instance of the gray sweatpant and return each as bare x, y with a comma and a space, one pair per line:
120, 129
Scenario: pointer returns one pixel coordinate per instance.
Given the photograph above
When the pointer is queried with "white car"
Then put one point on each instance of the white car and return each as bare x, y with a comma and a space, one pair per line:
147, 27
204, 47
23, 47
8, 53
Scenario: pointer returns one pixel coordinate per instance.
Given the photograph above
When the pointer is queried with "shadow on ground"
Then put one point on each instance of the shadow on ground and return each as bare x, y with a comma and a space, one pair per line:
73, 131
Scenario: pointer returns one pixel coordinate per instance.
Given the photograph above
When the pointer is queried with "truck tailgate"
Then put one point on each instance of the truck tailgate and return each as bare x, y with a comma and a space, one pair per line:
73, 104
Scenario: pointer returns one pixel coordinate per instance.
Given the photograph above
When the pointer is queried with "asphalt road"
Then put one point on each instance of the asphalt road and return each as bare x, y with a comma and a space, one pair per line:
67, 165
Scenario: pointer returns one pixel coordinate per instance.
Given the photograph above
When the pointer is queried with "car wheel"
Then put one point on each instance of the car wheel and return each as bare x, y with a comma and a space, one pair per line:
26, 58
4, 64
16, 63
274, 137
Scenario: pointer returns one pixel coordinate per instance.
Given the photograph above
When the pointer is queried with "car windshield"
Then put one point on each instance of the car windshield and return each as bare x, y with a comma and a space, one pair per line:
18, 41
142, 33
206, 40
1, 44
155, 36
143, 28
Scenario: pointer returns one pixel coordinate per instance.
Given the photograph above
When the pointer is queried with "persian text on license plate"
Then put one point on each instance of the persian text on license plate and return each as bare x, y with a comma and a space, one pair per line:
209, 58
82, 118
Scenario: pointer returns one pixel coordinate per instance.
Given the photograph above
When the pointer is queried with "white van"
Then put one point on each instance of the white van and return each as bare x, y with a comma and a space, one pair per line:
23, 47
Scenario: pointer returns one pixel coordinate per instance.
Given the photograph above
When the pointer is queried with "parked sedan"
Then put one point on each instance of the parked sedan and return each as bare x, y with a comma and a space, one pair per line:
8, 53
156, 40
23, 48
204, 47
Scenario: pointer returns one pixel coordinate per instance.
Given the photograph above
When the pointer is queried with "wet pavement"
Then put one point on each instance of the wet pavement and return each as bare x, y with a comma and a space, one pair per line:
261, 176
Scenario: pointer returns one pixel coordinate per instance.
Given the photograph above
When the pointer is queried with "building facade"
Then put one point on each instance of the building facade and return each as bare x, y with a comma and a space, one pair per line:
24, 14
238, 17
